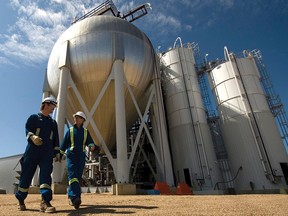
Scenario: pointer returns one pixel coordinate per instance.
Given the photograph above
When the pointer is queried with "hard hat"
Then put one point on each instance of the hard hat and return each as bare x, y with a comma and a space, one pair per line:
81, 114
50, 100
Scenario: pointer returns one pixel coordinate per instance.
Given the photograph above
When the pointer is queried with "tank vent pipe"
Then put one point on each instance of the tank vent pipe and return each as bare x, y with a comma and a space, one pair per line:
226, 53
178, 38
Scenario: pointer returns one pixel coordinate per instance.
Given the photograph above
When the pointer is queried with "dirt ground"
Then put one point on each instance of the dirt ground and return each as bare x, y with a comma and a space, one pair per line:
108, 204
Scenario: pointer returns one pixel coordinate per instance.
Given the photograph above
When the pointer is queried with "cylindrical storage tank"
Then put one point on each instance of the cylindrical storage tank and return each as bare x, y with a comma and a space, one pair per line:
254, 146
193, 156
94, 44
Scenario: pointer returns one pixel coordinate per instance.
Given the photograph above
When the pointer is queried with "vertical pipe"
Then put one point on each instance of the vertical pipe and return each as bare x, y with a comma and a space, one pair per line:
45, 94
62, 96
60, 118
121, 138
190, 110
162, 128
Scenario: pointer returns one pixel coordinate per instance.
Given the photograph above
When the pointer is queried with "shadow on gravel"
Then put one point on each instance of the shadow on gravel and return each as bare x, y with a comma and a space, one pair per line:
111, 209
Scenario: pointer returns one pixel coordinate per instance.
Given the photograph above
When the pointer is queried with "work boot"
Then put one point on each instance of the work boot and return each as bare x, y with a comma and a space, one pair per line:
70, 202
22, 206
47, 207
77, 203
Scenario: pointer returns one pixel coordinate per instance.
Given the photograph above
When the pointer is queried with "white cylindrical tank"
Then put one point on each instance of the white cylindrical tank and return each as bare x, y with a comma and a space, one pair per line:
94, 44
194, 159
254, 146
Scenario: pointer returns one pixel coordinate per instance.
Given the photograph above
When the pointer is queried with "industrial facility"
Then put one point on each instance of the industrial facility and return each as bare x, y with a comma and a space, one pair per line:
172, 117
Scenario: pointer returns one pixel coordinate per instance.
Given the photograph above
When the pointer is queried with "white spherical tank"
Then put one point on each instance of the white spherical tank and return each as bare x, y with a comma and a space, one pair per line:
94, 44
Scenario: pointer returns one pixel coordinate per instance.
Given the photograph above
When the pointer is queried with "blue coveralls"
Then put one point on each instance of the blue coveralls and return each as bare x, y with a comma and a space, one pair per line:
42, 156
75, 141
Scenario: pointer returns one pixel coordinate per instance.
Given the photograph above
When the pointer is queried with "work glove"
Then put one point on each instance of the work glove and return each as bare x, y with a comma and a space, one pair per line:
91, 147
57, 158
36, 140
95, 150
62, 157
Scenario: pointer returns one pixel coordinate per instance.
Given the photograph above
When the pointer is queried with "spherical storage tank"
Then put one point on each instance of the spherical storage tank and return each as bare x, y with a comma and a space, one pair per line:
94, 44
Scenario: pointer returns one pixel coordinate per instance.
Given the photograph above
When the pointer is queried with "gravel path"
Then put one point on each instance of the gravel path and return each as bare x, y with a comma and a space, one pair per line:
108, 204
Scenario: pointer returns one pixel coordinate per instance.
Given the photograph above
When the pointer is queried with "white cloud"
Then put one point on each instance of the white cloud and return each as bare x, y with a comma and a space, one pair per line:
39, 24
5, 61
163, 23
227, 3
188, 27
126, 6
200, 4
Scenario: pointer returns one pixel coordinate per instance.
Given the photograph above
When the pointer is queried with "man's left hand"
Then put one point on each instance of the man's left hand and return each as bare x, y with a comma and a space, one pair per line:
57, 158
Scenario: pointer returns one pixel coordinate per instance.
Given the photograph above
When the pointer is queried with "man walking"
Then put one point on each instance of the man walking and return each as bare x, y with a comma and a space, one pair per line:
75, 141
43, 145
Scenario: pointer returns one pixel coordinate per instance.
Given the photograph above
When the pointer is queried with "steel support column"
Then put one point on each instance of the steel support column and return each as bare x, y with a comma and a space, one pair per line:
122, 172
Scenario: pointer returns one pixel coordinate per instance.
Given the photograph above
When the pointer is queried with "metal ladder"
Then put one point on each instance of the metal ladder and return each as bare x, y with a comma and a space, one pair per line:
201, 68
273, 99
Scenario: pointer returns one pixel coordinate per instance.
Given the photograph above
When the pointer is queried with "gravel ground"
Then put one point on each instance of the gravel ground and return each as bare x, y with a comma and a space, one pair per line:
108, 204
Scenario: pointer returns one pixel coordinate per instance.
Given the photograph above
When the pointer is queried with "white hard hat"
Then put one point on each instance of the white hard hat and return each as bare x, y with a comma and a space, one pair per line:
49, 100
81, 114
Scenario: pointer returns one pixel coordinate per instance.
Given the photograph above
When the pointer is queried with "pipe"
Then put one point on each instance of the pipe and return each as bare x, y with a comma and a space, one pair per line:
226, 53
216, 185
190, 112
178, 38
121, 139
204, 151
158, 106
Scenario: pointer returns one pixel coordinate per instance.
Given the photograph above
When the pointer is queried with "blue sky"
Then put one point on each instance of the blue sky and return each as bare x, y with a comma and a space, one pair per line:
29, 29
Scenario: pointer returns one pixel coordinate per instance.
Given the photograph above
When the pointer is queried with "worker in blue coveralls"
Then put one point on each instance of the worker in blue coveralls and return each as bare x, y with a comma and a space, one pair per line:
43, 145
74, 143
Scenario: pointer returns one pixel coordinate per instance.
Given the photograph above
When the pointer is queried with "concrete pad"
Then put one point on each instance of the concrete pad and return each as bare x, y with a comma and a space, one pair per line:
34, 190
59, 188
124, 189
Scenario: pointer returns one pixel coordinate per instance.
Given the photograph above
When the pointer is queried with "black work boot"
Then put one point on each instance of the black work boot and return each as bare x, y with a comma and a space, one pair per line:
22, 206
77, 203
46, 207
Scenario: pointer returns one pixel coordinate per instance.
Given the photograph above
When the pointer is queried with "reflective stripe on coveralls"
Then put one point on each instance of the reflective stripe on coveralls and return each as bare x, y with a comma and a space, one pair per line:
30, 134
73, 180
23, 189
45, 186
37, 134
72, 138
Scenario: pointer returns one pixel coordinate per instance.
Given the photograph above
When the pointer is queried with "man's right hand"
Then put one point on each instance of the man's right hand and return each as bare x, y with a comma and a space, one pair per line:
36, 140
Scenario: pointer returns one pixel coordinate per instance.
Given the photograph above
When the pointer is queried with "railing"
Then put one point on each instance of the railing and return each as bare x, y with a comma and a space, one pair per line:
100, 9
108, 5
273, 99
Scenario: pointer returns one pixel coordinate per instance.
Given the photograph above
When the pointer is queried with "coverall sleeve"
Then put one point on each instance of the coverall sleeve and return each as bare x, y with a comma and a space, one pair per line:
65, 143
30, 127
90, 142
56, 139
89, 139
